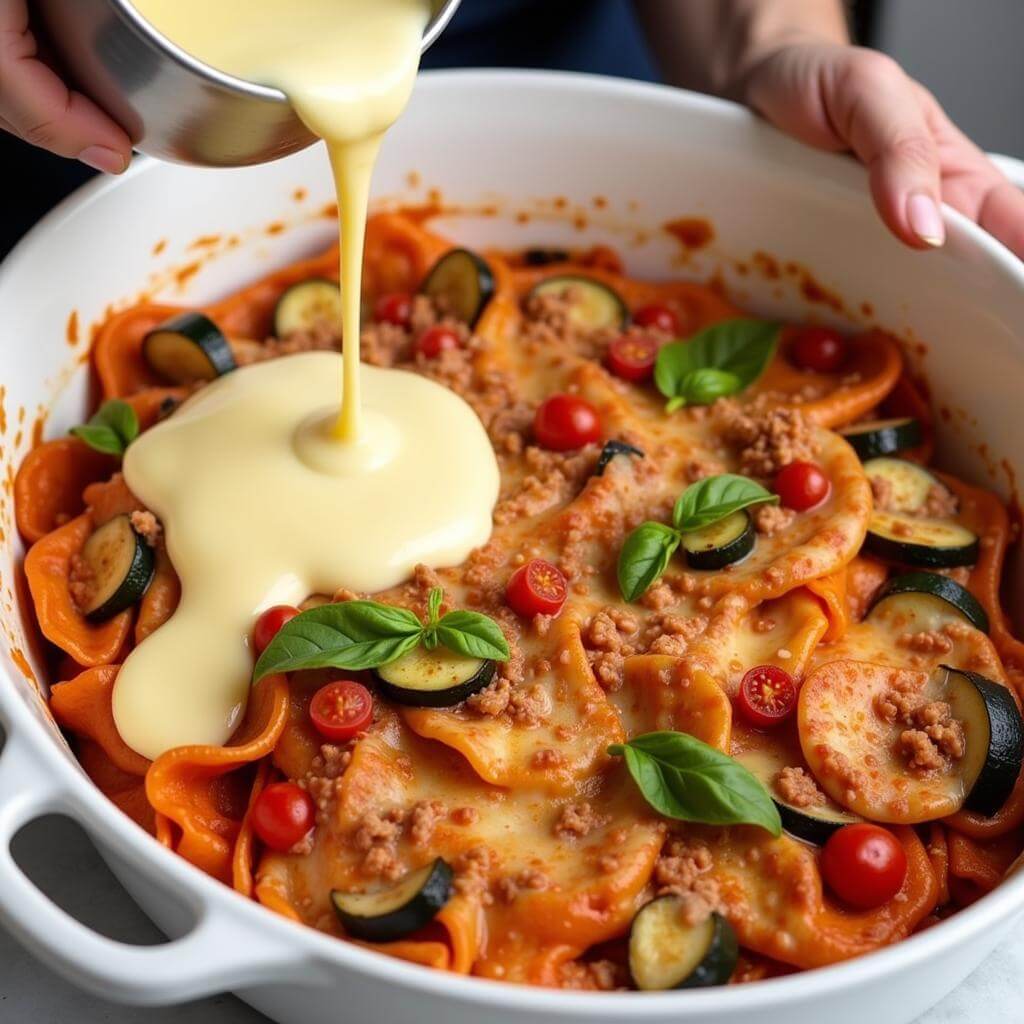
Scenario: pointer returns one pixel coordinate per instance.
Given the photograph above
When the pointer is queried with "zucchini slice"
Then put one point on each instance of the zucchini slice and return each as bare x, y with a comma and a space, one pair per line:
541, 257
120, 565
721, 543
814, 823
385, 915
596, 305
433, 679
188, 348
908, 484
924, 588
858, 755
667, 953
990, 713
610, 450
464, 283
914, 540
306, 304
883, 437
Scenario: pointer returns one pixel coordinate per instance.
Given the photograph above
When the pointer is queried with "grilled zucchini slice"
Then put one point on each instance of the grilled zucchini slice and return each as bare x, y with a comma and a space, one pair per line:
306, 304
610, 450
909, 484
883, 437
120, 565
463, 283
596, 306
914, 540
721, 543
918, 590
385, 915
814, 823
187, 348
433, 679
667, 953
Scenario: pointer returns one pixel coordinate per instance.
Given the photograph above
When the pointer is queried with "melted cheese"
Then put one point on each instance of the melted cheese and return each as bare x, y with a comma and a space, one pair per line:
259, 511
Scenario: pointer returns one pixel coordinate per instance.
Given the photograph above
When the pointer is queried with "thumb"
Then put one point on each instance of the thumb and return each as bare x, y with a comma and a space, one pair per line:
873, 105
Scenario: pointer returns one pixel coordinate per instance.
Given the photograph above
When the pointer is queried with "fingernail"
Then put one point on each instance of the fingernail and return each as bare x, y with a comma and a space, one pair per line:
99, 158
926, 219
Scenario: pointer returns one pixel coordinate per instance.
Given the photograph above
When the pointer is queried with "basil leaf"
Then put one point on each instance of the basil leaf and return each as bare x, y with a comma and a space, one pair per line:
474, 634
703, 386
645, 556
715, 497
111, 429
352, 635
685, 779
742, 348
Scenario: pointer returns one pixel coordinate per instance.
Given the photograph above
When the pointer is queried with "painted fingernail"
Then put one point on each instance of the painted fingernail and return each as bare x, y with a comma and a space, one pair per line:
926, 219
99, 158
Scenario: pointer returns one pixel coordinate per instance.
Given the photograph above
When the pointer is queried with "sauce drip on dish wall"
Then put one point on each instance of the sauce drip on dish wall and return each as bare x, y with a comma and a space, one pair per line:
267, 489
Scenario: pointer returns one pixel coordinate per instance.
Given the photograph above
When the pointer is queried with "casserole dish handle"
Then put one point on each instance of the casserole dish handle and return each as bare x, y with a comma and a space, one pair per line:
220, 952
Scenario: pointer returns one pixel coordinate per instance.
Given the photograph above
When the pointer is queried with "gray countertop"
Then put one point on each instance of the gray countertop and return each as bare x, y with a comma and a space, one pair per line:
61, 860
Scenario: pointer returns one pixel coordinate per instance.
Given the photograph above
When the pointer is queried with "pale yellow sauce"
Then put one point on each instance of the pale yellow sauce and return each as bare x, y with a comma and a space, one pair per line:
267, 490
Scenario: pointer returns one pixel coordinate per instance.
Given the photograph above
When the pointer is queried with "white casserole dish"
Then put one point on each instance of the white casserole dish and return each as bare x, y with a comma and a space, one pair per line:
630, 157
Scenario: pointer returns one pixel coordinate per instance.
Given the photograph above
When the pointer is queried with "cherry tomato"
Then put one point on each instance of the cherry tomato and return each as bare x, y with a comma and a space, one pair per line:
659, 316
767, 696
394, 308
802, 485
632, 356
341, 709
537, 588
269, 623
820, 349
864, 865
282, 815
564, 422
435, 340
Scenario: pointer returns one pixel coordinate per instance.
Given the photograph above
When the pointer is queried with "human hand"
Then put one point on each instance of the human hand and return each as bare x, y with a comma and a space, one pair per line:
840, 97
38, 107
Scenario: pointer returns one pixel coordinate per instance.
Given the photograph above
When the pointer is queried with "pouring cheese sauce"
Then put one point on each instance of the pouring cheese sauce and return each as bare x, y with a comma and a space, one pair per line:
267, 488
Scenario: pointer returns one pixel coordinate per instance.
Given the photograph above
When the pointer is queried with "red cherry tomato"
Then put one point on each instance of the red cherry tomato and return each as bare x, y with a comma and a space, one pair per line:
632, 356
658, 316
394, 308
282, 815
269, 623
537, 588
767, 696
864, 865
435, 340
564, 422
341, 710
820, 349
802, 485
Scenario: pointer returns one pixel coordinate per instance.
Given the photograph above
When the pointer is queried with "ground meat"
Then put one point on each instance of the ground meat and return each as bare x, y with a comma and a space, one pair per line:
682, 870
771, 519
322, 336
423, 817
797, 787
323, 779
700, 468
147, 526
552, 479
595, 975
932, 735
527, 706
472, 873
528, 880
926, 642
547, 758
671, 634
881, 492
377, 837
767, 440
939, 503
578, 820
81, 582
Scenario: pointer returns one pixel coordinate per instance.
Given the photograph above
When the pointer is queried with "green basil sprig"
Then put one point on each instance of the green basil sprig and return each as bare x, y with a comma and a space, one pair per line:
357, 635
113, 427
685, 779
646, 553
720, 360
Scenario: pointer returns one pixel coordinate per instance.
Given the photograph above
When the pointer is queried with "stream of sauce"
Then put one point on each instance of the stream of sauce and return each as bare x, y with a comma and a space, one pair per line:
269, 489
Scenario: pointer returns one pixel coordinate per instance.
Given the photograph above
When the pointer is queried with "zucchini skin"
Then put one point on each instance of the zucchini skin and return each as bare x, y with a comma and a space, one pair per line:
610, 450
419, 910
484, 283
920, 554
436, 698
888, 438
810, 829
998, 776
727, 554
942, 587
201, 331
135, 583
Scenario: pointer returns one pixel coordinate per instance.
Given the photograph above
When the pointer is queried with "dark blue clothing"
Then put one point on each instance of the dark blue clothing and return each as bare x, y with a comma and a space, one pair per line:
574, 35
